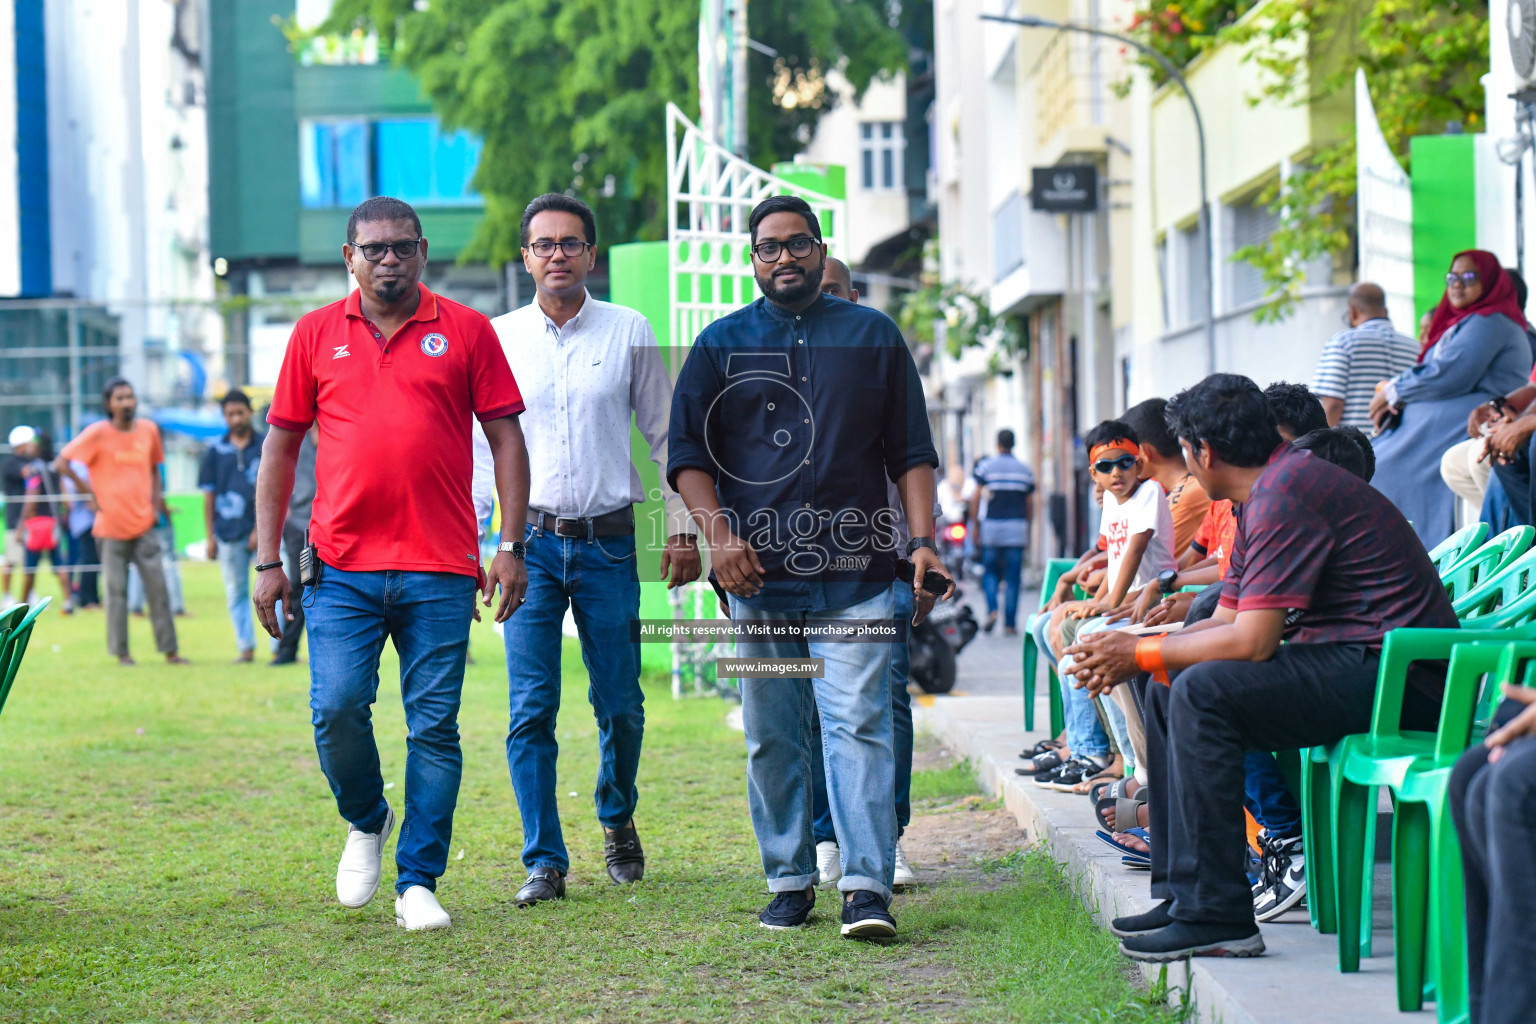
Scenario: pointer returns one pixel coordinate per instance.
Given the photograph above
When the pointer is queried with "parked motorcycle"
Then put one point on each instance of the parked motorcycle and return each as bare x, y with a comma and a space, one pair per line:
934, 643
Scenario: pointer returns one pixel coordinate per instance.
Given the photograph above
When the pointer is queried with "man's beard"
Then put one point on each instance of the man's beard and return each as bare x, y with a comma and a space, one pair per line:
390, 291
809, 285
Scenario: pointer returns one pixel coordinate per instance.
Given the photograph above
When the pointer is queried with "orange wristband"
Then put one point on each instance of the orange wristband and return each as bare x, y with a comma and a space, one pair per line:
1149, 657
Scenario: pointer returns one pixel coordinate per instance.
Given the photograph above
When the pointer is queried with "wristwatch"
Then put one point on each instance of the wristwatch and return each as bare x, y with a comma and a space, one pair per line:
1168, 580
920, 542
516, 548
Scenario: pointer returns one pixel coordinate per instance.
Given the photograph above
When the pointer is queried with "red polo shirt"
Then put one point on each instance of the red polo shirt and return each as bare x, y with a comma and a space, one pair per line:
394, 461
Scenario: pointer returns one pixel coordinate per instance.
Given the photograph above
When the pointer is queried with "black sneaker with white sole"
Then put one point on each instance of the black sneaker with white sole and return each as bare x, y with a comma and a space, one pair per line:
865, 916
788, 909
1066, 778
1141, 924
1186, 938
1285, 871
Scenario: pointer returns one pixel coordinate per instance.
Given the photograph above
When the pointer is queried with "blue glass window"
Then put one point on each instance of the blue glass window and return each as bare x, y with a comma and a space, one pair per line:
419, 163
333, 163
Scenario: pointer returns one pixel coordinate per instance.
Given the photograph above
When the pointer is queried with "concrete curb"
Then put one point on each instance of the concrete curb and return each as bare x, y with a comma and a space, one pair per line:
1296, 982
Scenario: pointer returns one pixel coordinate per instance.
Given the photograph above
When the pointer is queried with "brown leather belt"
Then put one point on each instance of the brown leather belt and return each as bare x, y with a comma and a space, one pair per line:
618, 523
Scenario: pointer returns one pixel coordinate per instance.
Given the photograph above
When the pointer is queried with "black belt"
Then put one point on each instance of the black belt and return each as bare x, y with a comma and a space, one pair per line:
618, 523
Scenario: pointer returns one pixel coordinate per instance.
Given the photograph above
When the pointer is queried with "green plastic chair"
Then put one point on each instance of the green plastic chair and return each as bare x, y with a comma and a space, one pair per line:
1487, 561
1415, 766
1509, 621
1463, 542
15, 631
1054, 570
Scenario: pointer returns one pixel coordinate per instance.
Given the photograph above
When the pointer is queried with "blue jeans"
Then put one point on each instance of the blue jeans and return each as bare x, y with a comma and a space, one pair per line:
1268, 797
235, 567
599, 581
349, 615
901, 735
1003, 565
1085, 734
854, 703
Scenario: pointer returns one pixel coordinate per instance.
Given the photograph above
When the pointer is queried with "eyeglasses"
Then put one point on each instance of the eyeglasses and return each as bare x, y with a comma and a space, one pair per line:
1465, 278
799, 247
404, 249
1106, 466
544, 248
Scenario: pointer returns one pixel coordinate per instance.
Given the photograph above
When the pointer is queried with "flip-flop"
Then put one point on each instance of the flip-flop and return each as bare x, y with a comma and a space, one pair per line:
1127, 851
1125, 808
1043, 747
1043, 763
1137, 863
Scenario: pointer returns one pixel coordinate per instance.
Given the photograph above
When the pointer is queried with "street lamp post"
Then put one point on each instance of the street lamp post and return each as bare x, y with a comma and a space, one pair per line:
1030, 21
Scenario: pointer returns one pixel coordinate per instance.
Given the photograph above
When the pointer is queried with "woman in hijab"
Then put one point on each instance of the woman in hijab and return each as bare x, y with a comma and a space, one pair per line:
1475, 350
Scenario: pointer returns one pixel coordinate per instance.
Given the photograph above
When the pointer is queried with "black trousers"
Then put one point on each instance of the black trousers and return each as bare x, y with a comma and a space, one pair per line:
1519, 484
1198, 732
293, 543
1494, 809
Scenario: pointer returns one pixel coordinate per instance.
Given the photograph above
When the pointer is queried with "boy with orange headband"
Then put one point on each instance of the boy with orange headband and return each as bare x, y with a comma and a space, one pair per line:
1138, 529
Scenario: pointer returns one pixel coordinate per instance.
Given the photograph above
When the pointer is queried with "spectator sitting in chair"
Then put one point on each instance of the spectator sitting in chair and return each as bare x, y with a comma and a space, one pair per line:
1322, 561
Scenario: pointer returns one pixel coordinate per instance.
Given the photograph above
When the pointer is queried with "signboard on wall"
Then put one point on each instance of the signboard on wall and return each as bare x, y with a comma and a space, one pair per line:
1065, 188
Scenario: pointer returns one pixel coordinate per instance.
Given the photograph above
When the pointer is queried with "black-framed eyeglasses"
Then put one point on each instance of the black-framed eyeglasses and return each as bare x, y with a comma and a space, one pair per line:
544, 248
799, 247
404, 249
1107, 466
1465, 278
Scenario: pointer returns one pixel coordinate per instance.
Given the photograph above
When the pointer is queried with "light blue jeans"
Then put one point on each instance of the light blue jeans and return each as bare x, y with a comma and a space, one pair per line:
235, 567
854, 703
1085, 736
348, 616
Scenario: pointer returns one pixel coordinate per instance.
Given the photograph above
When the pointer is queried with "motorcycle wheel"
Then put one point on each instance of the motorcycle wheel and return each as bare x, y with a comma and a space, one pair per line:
940, 677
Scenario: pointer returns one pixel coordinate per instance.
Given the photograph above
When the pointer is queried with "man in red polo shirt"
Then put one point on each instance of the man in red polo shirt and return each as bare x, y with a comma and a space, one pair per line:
391, 376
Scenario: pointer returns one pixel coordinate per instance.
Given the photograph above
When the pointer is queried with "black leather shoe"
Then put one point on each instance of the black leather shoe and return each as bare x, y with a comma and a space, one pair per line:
621, 849
543, 884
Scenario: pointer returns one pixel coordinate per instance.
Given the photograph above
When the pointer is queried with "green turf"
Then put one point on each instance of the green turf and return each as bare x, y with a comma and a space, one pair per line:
167, 848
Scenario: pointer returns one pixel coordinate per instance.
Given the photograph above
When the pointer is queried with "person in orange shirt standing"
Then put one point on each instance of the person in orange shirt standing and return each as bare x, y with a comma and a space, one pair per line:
124, 454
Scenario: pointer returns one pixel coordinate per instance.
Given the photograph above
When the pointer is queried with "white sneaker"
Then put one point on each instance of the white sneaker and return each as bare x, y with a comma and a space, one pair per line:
903, 874
7, 602
417, 910
357, 874
829, 863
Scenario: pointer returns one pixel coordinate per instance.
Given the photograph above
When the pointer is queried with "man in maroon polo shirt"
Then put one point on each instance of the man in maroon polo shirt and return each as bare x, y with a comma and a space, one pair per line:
391, 376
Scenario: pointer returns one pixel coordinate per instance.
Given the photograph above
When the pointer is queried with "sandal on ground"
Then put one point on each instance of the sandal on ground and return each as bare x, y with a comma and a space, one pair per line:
1041, 763
1125, 849
1043, 747
1107, 775
1137, 863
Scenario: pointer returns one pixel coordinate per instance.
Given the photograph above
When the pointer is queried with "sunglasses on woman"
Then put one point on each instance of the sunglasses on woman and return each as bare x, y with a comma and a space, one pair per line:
1466, 277
1107, 466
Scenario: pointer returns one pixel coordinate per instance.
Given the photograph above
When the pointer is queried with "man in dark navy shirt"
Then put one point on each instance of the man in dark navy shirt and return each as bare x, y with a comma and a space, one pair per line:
228, 482
1322, 561
788, 418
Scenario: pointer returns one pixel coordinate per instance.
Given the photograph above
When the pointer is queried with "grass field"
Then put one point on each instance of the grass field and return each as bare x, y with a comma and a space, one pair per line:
168, 846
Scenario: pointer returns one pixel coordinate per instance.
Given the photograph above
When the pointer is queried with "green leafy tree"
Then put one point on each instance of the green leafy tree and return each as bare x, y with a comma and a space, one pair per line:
570, 95
1422, 58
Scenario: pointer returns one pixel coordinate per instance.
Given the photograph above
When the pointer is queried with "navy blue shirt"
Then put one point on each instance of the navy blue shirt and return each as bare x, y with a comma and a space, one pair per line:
801, 418
229, 474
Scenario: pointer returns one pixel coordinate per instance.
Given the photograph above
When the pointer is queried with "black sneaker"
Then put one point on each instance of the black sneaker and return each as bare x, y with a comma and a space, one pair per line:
865, 916
1184, 939
1287, 877
1141, 924
1066, 778
788, 909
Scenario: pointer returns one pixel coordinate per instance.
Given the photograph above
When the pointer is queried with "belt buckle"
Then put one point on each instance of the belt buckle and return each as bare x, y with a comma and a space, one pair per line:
560, 529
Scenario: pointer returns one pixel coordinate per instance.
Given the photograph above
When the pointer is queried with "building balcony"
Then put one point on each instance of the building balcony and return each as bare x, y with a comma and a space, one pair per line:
1029, 256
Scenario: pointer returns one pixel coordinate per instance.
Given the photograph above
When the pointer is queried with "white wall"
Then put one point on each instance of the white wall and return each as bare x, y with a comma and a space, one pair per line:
873, 215
10, 209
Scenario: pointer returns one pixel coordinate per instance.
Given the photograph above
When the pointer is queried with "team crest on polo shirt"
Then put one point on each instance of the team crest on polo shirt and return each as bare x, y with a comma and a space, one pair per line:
434, 345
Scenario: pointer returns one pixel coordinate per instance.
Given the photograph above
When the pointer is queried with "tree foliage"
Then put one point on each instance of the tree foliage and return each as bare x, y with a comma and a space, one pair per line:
1422, 58
570, 95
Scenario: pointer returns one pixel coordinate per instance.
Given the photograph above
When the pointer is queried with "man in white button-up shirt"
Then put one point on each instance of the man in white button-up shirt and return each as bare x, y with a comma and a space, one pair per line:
585, 367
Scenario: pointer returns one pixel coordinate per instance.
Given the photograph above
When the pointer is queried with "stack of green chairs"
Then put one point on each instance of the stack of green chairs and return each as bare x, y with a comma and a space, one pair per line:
15, 632
1427, 889
1487, 561
1054, 569
1459, 544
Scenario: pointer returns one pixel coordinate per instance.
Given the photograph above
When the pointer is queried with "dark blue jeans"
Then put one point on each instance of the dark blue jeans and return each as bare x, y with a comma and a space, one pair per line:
901, 736
349, 615
1268, 797
598, 580
1006, 566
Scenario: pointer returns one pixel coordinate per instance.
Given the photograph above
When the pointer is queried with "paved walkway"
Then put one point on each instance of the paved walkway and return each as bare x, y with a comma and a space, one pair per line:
1296, 982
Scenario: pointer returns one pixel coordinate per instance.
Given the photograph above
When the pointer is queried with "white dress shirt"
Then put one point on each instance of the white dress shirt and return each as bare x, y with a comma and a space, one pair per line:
581, 382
